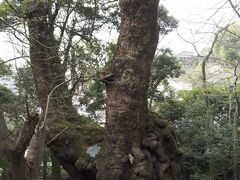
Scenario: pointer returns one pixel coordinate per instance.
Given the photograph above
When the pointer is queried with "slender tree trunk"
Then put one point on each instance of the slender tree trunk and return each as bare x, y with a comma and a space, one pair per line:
137, 144
235, 145
207, 116
208, 119
230, 108
236, 155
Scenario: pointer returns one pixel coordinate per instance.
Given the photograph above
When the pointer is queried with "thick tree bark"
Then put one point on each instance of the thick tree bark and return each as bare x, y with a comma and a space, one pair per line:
68, 134
137, 144
17, 166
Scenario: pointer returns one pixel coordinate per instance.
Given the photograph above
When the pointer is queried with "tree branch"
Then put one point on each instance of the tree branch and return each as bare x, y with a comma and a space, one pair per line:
234, 8
4, 62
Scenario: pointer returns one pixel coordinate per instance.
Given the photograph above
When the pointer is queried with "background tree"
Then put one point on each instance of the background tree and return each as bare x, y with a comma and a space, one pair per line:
164, 66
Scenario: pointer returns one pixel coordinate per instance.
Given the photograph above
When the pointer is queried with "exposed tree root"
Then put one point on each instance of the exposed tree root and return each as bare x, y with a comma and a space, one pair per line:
157, 158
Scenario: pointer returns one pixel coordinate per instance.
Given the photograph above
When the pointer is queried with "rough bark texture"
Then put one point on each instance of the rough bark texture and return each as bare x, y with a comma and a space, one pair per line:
137, 144
17, 167
68, 134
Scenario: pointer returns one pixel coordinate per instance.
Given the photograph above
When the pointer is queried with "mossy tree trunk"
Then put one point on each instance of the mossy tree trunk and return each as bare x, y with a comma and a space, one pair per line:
137, 144
68, 134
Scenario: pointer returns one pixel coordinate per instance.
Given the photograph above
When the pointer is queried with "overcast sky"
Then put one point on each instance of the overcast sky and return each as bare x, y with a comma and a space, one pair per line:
192, 14
200, 16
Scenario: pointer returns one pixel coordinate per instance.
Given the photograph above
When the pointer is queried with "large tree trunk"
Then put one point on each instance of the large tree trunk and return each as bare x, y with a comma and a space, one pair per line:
68, 134
137, 144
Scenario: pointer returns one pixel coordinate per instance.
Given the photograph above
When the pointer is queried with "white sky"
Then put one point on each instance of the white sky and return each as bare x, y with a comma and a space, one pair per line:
6, 50
191, 14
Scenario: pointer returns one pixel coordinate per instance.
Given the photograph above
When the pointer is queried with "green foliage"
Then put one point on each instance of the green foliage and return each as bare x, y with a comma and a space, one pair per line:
14, 103
111, 50
110, 12
94, 98
8, 11
206, 135
24, 82
228, 45
171, 108
166, 23
6, 95
13, 107
164, 66
5, 70
95, 15
2, 164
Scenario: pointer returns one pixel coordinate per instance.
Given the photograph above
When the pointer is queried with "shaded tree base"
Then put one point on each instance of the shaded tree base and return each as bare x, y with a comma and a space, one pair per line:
157, 158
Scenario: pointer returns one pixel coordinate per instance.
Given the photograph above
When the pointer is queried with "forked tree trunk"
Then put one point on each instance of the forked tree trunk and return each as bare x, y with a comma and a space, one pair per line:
68, 134
137, 144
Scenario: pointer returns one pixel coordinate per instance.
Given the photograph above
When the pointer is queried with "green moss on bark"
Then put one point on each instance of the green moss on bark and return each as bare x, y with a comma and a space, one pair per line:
76, 139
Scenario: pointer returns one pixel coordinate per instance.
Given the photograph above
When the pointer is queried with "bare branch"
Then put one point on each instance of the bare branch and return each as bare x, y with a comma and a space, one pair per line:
63, 28
234, 8
192, 43
54, 15
13, 59
55, 137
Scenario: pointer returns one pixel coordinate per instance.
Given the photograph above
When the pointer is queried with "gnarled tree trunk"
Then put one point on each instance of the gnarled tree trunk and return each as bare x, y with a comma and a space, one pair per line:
137, 144
68, 134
